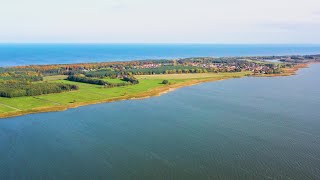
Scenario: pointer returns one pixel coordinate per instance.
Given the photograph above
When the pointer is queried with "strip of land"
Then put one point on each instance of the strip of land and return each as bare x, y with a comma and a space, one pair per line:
150, 85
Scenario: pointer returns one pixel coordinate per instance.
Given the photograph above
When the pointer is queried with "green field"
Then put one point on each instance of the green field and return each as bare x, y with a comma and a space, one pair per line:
52, 78
113, 81
88, 92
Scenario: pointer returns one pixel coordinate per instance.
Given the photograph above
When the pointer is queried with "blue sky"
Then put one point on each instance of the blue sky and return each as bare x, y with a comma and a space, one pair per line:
160, 21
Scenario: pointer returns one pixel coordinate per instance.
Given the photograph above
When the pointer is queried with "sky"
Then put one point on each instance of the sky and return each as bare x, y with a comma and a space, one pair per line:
160, 21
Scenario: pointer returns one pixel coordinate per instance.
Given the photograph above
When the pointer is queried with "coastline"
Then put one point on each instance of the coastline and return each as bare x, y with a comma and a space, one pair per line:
151, 93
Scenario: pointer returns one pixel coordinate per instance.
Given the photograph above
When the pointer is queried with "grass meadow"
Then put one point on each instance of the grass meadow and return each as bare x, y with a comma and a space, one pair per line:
91, 93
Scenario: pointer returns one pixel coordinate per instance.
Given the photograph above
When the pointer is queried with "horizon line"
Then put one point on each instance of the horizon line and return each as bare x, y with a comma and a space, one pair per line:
164, 43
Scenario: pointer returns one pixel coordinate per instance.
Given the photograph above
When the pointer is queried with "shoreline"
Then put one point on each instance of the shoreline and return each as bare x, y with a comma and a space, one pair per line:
148, 94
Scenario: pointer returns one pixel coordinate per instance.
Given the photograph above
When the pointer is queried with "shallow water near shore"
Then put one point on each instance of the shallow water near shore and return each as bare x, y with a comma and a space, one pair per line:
248, 128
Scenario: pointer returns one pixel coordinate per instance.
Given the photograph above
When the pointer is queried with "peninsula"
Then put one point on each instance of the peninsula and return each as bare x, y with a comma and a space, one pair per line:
45, 88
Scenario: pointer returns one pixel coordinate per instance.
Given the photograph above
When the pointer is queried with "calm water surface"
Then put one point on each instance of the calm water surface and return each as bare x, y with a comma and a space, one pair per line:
249, 128
25, 54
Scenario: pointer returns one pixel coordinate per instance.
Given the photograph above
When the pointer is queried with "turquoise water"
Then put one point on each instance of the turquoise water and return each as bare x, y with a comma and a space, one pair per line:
249, 128
25, 54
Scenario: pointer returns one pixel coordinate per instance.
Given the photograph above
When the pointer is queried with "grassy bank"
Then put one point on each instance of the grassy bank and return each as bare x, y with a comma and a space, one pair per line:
150, 85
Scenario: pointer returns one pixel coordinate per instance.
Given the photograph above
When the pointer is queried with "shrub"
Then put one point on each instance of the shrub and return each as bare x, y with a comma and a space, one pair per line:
165, 82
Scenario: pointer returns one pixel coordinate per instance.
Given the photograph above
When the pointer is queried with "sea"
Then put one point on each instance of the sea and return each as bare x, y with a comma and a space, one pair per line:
244, 128
30, 54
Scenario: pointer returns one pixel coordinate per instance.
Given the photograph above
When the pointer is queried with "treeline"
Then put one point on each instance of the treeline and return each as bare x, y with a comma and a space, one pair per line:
72, 69
166, 70
26, 78
19, 89
77, 78
147, 71
21, 76
87, 80
102, 74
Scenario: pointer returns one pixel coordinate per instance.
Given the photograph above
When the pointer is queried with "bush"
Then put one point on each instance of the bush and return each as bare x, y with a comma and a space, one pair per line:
165, 82
131, 80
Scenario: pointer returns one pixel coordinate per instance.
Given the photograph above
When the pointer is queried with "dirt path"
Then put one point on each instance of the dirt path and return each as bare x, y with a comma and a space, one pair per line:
10, 107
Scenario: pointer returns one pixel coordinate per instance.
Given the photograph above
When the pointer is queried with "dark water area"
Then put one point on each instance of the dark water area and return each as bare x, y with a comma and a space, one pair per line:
248, 128
27, 54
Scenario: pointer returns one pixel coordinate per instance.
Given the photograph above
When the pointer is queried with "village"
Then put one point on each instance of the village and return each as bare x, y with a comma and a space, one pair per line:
256, 65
